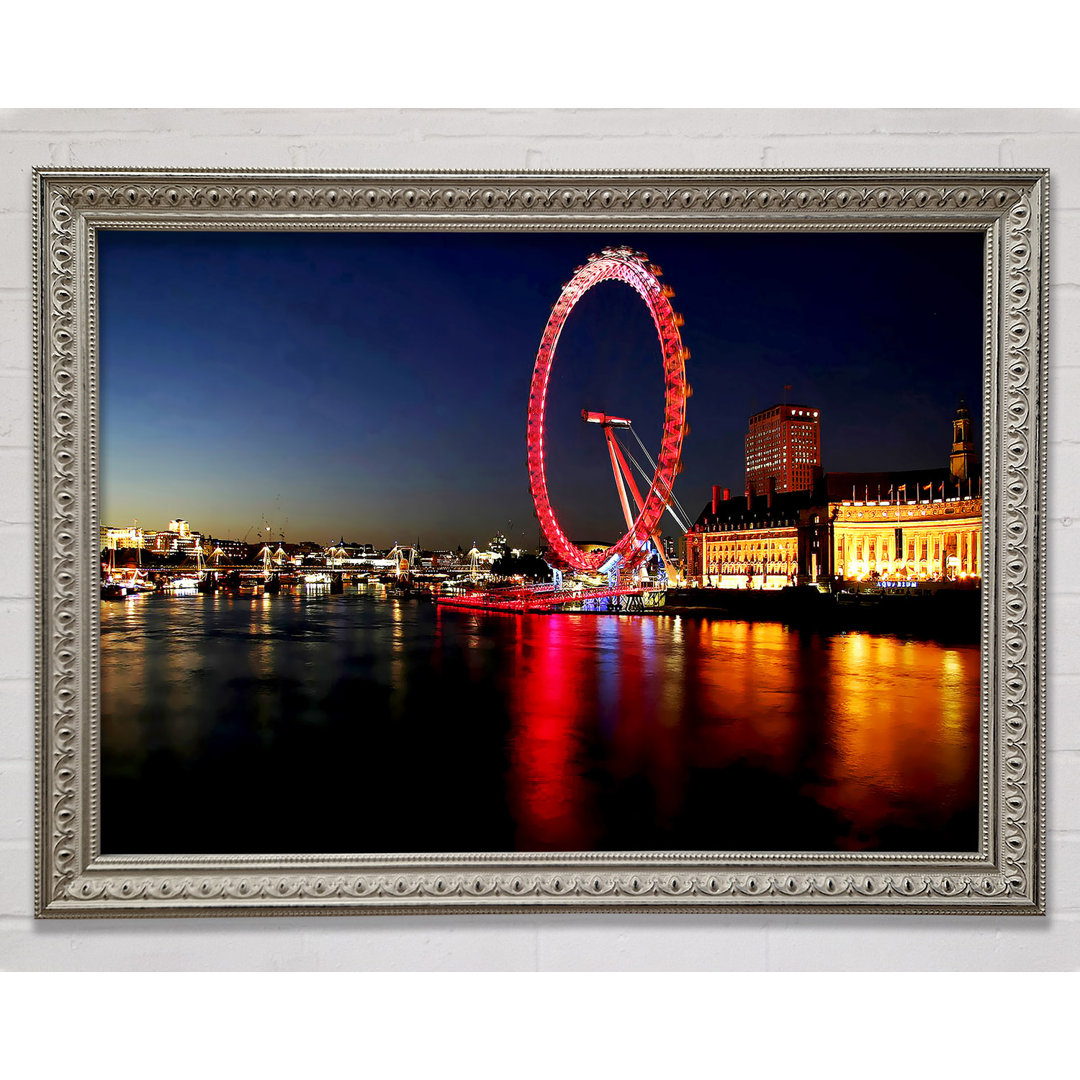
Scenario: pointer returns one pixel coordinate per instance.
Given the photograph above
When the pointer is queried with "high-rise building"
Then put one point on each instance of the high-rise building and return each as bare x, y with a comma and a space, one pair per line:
783, 446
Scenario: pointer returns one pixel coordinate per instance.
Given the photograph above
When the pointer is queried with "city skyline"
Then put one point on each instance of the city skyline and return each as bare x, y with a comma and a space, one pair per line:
374, 385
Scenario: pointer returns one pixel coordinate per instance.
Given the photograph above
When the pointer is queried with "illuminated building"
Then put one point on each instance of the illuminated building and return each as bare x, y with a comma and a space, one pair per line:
743, 542
909, 526
925, 526
227, 551
783, 449
128, 536
178, 537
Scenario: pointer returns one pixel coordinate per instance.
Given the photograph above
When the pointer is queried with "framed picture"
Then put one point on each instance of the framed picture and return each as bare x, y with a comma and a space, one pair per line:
380, 571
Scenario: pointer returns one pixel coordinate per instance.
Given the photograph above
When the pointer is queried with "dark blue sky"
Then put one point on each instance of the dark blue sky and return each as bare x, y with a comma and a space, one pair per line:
374, 385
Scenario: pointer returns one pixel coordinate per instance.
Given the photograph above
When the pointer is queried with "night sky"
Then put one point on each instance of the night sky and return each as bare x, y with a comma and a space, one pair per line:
374, 385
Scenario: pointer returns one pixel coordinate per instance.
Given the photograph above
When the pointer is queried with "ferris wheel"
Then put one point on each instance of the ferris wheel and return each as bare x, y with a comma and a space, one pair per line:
633, 269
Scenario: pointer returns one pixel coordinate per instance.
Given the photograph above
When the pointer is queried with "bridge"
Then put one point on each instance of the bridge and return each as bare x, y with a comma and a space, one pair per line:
258, 569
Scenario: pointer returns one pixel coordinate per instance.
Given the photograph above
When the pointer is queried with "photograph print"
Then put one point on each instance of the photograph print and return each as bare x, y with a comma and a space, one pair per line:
536, 541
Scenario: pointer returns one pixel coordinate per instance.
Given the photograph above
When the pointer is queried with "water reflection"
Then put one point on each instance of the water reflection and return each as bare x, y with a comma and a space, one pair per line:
349, 722
554, 706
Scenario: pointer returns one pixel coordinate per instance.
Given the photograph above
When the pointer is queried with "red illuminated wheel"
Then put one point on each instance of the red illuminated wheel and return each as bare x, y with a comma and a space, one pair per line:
633, 269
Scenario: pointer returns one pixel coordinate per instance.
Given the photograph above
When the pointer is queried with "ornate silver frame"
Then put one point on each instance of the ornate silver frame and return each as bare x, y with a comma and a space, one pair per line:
1006, 875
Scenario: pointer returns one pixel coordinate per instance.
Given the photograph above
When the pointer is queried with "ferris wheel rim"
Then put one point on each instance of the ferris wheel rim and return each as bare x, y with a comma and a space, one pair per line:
633, 269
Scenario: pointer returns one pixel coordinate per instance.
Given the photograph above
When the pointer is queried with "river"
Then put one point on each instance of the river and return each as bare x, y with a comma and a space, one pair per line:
318, 722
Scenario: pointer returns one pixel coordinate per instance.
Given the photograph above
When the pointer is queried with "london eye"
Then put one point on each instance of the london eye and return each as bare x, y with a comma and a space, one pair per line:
633, 269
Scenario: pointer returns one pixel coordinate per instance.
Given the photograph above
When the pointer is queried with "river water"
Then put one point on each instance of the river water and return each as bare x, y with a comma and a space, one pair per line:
318, 722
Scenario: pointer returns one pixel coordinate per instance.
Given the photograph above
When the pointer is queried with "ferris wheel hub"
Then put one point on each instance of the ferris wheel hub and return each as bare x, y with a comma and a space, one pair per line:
603, 418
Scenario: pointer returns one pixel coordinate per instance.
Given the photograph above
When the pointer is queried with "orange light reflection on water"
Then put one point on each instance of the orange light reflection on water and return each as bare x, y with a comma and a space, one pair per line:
903, 733
880, 732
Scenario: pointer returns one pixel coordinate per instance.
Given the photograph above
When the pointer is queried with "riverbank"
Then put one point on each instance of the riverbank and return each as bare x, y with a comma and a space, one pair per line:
941, 612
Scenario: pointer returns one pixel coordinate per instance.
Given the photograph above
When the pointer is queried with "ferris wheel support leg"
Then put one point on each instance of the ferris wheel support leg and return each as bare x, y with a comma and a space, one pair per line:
618, 466
618, 462
556, 576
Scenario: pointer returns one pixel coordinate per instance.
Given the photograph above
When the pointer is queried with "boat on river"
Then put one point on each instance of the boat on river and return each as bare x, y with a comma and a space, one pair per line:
120, 583
402, 590
183, 583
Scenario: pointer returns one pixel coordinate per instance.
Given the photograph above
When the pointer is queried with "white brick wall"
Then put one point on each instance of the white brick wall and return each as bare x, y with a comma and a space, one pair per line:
517, 139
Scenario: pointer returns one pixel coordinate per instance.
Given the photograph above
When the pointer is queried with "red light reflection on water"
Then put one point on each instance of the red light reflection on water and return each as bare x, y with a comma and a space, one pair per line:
554, 694
595, 703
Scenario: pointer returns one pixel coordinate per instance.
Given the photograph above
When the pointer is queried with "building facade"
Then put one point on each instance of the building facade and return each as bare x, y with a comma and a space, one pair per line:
821, 537
919, 525
748, 543
178, 537
226, 551
126, 536
932, 540
783, 449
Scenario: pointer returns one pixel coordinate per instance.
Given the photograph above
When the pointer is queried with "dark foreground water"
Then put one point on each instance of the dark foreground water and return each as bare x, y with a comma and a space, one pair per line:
350, 723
